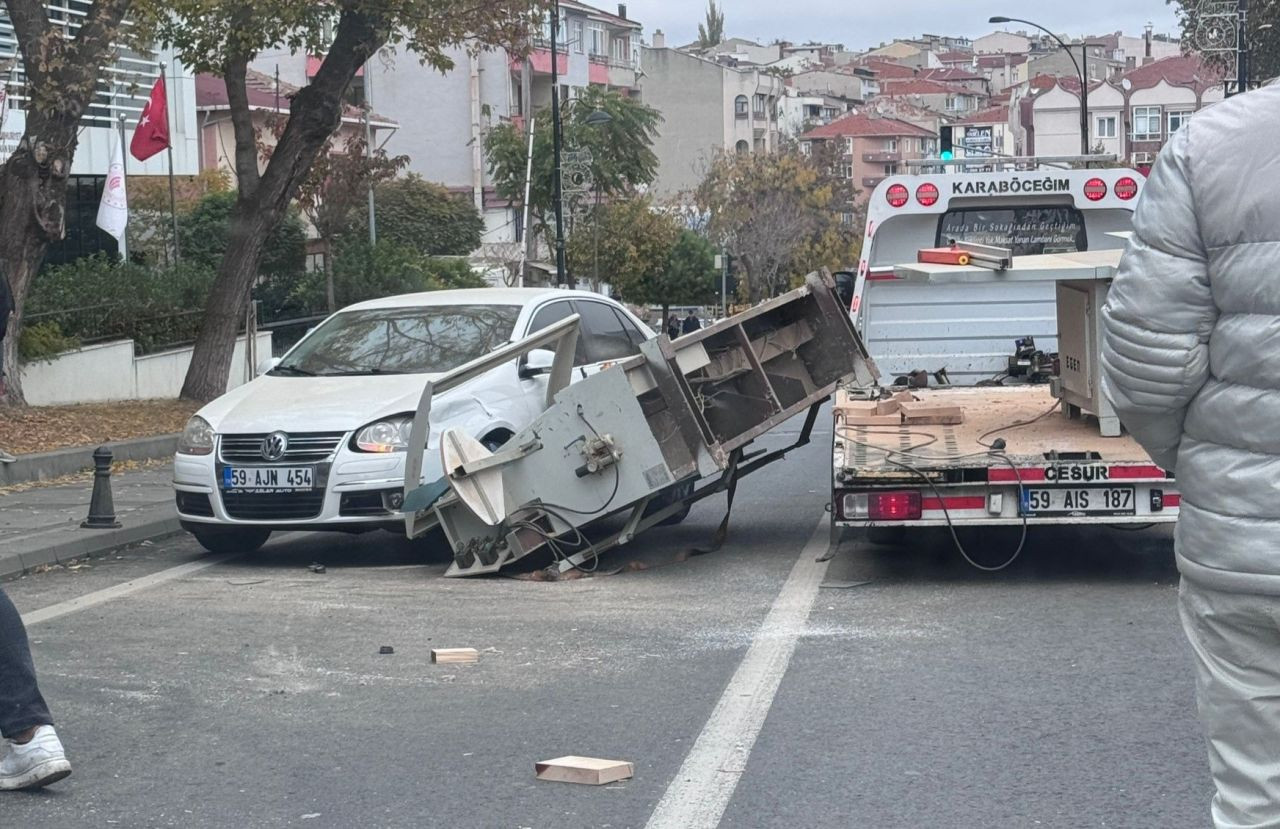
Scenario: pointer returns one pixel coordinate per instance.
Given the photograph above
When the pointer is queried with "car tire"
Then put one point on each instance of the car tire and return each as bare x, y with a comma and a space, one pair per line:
669, 496
231, 539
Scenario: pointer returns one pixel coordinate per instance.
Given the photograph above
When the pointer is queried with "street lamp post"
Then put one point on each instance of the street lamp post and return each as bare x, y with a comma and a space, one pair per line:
557, 198
1080, 73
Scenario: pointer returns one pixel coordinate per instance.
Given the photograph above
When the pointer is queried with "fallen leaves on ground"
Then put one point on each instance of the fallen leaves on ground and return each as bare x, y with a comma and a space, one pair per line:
46, 428
82, 477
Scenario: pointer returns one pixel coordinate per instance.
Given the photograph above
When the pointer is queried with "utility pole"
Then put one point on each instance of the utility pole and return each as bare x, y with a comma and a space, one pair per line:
1085, 149
368, 148
1242, 46
556, 140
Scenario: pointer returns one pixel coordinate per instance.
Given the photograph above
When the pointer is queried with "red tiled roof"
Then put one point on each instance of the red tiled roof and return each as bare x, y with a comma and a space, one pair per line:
920, 86
860, 124
991, 115
263, 94
956, 57
997, 61
889, 69
1183, 70
951, 75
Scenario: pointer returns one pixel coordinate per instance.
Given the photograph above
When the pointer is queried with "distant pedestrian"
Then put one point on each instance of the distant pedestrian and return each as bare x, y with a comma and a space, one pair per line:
673, 326
691, 323
1191, 360
35, 756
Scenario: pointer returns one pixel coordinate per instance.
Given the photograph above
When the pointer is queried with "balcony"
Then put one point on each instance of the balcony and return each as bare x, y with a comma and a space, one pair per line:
870, 182
882, 157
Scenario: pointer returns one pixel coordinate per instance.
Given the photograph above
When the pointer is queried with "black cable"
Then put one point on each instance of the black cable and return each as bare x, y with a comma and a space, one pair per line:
1017, 425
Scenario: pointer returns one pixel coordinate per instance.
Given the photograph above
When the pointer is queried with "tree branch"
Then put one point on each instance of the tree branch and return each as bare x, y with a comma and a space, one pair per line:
30, 23
234, 75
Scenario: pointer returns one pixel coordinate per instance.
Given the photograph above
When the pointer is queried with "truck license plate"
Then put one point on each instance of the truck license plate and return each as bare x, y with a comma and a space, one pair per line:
1051, 501
267, 478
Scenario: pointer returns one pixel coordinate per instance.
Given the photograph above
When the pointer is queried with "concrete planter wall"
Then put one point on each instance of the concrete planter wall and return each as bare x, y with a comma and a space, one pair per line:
110, 371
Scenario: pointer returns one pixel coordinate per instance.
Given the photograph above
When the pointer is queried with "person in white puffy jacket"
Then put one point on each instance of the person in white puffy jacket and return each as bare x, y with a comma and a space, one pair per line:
1191, 360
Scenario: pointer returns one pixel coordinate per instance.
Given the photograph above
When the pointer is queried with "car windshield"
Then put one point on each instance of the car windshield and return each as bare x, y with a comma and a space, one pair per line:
421, 340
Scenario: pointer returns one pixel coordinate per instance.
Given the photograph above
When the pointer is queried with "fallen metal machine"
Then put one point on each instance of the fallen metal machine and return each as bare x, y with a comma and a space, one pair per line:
642, 440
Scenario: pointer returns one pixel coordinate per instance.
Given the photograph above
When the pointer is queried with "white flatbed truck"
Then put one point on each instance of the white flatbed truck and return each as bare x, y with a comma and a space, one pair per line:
1020, 455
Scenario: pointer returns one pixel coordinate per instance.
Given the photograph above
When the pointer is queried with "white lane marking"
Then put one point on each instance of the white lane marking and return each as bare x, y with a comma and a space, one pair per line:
107, 594
700, 792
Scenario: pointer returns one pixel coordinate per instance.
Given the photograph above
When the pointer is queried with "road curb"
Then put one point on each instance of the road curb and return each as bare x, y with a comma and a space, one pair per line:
83, 543
43, 466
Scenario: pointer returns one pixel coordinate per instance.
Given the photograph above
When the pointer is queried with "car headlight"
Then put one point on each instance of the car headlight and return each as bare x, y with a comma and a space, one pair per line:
197, 437
390, 434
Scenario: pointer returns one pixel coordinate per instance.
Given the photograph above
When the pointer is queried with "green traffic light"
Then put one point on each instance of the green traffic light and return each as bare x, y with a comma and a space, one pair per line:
947, 155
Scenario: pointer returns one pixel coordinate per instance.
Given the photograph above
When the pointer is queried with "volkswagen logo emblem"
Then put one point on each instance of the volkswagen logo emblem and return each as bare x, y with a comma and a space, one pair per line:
274, 446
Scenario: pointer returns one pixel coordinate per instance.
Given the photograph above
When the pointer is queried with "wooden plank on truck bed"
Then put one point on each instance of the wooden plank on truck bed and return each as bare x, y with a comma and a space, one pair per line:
925, 413
988, 413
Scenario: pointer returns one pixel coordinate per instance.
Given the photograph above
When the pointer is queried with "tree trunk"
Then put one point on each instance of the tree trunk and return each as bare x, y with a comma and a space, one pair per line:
328, 277
314, 115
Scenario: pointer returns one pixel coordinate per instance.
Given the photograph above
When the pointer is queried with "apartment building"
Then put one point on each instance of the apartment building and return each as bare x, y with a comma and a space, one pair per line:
122, 90
1131, 115
986, 134
441, 118
943, 97
871, 147
707, 108
852, 83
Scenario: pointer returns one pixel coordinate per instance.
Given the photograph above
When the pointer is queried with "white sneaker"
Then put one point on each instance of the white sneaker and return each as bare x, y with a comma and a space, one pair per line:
36, 763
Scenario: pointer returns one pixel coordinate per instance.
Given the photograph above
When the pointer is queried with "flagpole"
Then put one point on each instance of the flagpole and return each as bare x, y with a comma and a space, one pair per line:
124, 167
173, 197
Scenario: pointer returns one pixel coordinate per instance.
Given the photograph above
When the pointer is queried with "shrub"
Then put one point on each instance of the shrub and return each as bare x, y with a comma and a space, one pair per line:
43, 341
205, 230
424, 216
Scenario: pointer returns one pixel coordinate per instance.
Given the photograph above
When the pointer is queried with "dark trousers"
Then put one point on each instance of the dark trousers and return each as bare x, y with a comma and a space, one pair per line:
21, 705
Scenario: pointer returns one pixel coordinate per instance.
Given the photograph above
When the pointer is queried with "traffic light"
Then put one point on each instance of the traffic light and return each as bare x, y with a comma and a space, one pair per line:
946, 149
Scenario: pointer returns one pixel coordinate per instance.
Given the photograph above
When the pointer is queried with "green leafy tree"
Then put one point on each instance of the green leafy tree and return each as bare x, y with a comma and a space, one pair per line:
622, 156
635, 243
62, 64
781, 215
426, 217
206, 232
711, 31
224, 36
1201, 32
338, 183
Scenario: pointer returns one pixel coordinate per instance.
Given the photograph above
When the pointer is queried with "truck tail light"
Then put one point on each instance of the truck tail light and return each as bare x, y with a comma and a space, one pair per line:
1095, 189
1125, 188
881, 506
927, 194
897, 194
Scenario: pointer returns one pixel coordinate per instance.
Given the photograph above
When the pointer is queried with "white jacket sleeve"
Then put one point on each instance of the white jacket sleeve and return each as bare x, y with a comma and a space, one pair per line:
1160, 311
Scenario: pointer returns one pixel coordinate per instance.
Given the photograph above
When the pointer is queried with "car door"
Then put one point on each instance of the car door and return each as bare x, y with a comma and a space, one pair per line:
535, 388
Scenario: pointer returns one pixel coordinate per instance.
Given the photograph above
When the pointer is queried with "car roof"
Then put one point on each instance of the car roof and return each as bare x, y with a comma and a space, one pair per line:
471, 296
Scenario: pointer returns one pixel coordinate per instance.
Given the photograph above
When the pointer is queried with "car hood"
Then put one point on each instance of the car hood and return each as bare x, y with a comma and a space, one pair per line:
315, 404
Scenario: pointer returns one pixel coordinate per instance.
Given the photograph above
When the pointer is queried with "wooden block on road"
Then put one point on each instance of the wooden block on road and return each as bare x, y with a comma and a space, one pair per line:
589, 770
445, 656
931, 414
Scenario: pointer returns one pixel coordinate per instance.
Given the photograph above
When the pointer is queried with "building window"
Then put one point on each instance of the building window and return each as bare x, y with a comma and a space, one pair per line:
561, 36
740, 106
846, 170
577, 36
1146, 124
621, 49
891, 145
1105, 127
742, 147
596, 39
891, 169
760, 104
848, 145
1177, 118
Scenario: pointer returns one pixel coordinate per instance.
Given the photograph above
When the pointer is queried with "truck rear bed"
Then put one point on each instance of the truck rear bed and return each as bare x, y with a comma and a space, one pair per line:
1054, 469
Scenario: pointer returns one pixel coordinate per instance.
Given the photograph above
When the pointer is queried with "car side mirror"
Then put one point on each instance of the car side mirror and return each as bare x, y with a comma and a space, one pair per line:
537, 362
268, 364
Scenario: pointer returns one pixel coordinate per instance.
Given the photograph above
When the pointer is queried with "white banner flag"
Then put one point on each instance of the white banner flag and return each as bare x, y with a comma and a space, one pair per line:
113, 211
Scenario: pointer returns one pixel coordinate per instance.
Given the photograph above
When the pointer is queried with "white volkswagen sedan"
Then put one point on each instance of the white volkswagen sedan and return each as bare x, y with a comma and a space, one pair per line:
318, 442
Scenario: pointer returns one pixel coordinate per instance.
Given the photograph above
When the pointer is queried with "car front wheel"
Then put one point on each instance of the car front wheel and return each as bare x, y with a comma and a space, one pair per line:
231, 539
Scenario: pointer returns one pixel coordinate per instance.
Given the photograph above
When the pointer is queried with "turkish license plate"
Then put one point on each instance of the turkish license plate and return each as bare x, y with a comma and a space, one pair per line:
1077, 500
268, 478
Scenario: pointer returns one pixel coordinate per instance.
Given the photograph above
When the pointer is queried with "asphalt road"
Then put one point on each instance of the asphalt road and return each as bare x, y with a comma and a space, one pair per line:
251, 693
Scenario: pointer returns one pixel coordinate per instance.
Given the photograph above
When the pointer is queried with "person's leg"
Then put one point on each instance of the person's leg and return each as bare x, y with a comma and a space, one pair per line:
1236, 641
21, 706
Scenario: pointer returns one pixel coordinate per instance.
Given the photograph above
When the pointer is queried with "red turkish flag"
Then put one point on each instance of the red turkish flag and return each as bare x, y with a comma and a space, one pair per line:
152, 133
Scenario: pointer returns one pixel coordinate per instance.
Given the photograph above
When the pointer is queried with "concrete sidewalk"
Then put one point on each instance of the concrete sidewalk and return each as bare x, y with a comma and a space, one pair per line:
42, 525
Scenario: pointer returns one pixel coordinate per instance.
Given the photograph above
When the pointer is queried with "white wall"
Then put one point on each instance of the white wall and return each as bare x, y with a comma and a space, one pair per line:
109, 371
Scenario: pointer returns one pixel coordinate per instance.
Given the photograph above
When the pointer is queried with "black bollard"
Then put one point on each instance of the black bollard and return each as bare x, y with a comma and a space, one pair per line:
102, 510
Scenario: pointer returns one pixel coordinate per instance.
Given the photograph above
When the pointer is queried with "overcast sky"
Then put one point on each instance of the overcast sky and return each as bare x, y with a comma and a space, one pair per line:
860, 24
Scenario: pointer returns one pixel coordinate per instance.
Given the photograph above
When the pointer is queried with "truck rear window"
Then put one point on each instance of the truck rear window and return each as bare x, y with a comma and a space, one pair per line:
1026, 230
